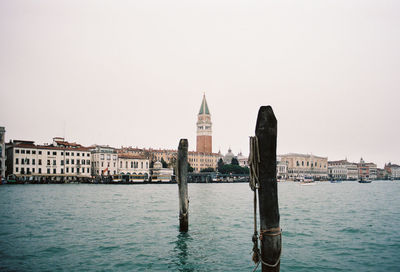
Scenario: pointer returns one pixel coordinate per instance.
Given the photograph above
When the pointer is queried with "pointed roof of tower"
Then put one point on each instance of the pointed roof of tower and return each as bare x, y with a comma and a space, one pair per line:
204, 106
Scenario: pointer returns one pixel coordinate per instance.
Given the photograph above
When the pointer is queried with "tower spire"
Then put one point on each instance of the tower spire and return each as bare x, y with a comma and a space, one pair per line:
204, 130
204, 107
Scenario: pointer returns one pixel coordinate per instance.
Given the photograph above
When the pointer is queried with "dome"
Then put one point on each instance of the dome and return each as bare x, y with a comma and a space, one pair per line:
157, 165
228, 157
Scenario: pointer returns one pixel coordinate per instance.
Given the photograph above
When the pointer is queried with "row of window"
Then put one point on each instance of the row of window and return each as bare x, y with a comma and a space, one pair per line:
134, 164
67, 161
54, 153
67, 170
308, 164
108, 157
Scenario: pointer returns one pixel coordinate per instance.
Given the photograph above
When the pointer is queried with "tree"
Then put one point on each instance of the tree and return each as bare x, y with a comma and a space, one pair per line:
190, 168
235, 161
208, 169
220, 164
164, 163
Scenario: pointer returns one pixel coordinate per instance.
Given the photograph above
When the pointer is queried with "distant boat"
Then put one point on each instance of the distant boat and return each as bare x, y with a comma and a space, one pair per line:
335, 181
364, 180
308, 180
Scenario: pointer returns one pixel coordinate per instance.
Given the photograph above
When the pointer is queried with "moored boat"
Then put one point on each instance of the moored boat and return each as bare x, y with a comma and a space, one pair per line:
364, 180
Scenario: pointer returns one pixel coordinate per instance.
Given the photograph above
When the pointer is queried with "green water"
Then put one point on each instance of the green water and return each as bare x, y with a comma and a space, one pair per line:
76, 227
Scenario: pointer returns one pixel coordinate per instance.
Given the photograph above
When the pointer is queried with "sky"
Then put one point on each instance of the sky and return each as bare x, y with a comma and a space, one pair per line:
133, 73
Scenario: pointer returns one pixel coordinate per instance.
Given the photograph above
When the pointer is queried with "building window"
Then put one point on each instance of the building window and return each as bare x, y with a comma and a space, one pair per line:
54, 153
40, 170
66, 153
131, 164
120, 165
17, 151
16, 169
78, 154
83, 170
62, 163
62, 153
48, 153
72, 169
302, 163
72, 153
16, 161
62, 171
48, 170
54, 162
102, 164
67, 169
108, 164
33, 161
54, 171
22, 152
40, 162
108, 157
126, 164
28, 152
101, 156
27, 161
87, 155
72, 161
141, 163
22, 161
40, 152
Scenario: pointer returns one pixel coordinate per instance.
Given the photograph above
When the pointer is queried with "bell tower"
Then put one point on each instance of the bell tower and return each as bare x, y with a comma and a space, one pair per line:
204, 131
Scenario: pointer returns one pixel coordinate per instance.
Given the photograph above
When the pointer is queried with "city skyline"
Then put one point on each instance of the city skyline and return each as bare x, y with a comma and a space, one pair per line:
133, 74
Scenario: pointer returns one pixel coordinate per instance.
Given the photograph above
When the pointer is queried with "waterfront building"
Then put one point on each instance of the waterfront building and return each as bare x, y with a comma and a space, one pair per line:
243, 160
373, 170
198, 160
393, 170
160, 174
130, 164
381, 174
352, 171
104, 160
2, 153
300, 165
363, 169
396, 172
204, 129
342, 170
367, 170
281, 169
57, 161
337, 172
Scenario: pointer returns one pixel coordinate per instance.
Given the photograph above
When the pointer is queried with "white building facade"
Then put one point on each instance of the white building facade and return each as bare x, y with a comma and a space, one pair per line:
129, 164
301, 165
26, 160
104, 161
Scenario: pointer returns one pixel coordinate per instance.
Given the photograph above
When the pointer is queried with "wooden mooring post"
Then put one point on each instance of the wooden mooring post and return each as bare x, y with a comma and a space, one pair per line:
270, 231
181, 174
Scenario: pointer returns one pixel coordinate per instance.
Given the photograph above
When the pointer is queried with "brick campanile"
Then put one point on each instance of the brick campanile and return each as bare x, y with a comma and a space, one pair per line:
204, 131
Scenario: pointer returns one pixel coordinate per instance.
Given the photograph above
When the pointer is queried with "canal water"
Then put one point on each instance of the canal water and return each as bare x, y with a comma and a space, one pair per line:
77, 227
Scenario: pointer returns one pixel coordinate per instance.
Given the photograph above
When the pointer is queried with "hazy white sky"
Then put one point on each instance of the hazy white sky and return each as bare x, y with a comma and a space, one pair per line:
133, 73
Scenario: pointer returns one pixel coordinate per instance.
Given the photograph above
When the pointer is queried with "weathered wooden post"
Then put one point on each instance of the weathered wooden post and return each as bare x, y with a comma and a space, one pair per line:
181, 174
264, 169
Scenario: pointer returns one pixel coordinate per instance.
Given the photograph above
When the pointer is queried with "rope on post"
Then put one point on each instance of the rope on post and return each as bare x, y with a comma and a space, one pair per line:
254, 161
